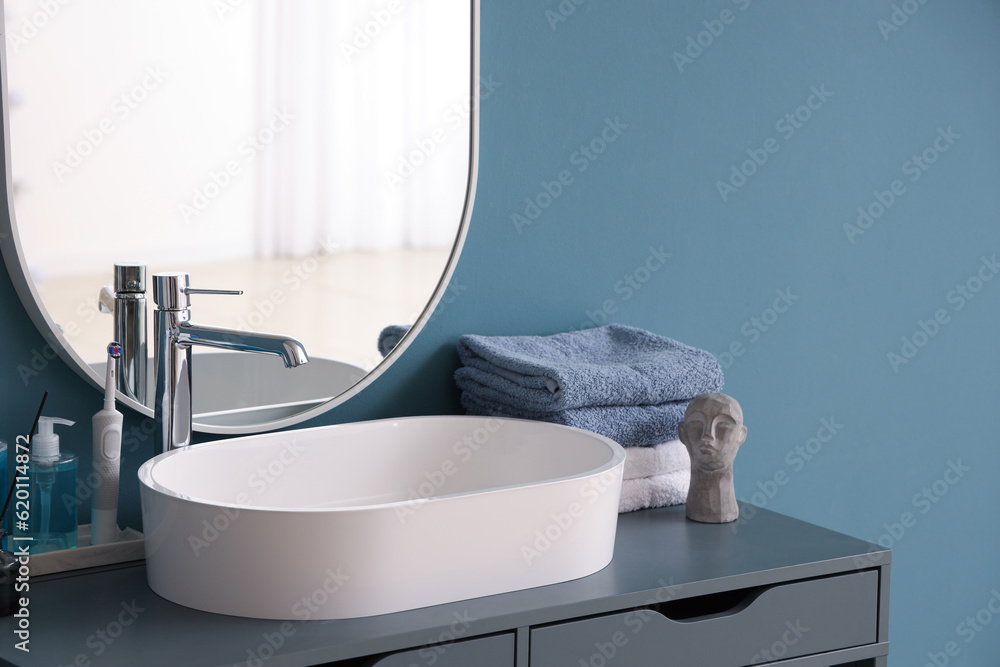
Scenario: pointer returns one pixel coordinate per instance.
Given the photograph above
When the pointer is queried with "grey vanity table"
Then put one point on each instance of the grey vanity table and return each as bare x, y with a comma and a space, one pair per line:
677, 593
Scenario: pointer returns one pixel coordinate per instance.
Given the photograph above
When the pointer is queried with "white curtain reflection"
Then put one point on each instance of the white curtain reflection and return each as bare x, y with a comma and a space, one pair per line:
380, 133
235, 129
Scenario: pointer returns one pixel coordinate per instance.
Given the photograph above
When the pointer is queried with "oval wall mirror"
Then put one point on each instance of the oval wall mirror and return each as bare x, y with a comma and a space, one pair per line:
320, 156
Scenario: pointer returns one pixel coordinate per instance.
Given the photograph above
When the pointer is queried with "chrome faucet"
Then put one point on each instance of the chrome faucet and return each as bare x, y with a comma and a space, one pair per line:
175, 334
127, 301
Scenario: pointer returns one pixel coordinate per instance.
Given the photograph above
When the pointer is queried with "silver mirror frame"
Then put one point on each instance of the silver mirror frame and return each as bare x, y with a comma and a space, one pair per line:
14, 259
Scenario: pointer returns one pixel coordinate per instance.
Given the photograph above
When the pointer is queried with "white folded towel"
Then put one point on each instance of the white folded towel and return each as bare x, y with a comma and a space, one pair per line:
656, 491
658, 459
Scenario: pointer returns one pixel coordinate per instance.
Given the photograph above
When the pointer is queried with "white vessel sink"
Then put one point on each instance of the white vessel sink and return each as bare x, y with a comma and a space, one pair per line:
233, 388
378, 517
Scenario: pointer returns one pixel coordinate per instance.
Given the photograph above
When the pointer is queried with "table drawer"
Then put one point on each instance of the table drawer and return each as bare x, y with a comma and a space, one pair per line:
747, 627
495, 651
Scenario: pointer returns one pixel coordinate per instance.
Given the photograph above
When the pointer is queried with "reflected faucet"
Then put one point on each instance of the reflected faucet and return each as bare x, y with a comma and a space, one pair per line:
175, 334
126, 300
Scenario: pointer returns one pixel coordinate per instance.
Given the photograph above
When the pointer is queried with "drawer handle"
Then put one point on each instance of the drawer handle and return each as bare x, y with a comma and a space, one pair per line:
704, 607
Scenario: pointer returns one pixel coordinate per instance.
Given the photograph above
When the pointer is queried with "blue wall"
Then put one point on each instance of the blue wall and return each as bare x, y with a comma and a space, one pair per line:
840, 433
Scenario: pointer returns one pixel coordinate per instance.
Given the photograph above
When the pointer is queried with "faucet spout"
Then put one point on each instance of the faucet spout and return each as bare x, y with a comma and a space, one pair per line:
290, 350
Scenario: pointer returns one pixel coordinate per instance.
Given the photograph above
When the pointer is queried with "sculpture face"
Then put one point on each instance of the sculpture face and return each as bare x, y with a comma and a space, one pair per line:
713, 431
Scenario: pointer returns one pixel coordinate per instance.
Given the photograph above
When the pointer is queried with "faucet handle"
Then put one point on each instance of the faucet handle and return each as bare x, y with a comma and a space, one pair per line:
171, 291
193, 290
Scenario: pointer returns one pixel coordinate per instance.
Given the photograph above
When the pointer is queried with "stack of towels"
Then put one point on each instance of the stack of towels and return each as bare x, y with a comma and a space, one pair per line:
627, 384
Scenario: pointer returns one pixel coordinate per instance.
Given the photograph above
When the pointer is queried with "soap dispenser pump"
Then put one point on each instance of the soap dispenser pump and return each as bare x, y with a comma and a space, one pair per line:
52, 480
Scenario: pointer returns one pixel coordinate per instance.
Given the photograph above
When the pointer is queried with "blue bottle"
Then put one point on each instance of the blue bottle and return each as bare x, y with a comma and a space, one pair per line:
52, 478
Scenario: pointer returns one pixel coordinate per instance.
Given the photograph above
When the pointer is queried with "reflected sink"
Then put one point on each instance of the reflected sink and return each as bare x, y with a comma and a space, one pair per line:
234, 388
378, 517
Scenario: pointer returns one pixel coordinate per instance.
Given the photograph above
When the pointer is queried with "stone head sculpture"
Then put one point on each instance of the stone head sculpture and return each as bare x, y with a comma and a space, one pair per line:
712, 432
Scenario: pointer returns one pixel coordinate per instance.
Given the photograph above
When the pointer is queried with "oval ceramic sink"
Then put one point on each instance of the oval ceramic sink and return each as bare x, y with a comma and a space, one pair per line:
377, 517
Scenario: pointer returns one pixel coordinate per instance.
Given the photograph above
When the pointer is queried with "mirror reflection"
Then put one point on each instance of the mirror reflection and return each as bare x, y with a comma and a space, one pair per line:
313, 154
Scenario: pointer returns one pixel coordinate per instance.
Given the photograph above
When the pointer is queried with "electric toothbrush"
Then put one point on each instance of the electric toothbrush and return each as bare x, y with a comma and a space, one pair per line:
107, 458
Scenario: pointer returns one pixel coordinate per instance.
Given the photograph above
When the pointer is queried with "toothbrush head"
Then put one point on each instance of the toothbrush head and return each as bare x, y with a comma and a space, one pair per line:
111, 374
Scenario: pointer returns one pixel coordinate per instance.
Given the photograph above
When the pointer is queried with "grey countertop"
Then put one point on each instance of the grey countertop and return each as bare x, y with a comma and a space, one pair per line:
111, 617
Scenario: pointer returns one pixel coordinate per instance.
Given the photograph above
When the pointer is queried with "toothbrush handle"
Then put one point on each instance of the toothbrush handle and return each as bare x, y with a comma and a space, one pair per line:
107, 427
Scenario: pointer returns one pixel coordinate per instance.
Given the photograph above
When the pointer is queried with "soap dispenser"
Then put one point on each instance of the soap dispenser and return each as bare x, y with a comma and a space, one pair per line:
52, 504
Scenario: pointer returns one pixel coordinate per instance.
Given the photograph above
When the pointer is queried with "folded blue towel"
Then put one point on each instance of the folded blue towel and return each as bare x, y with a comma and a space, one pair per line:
629, 426
389, 337
610, 365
